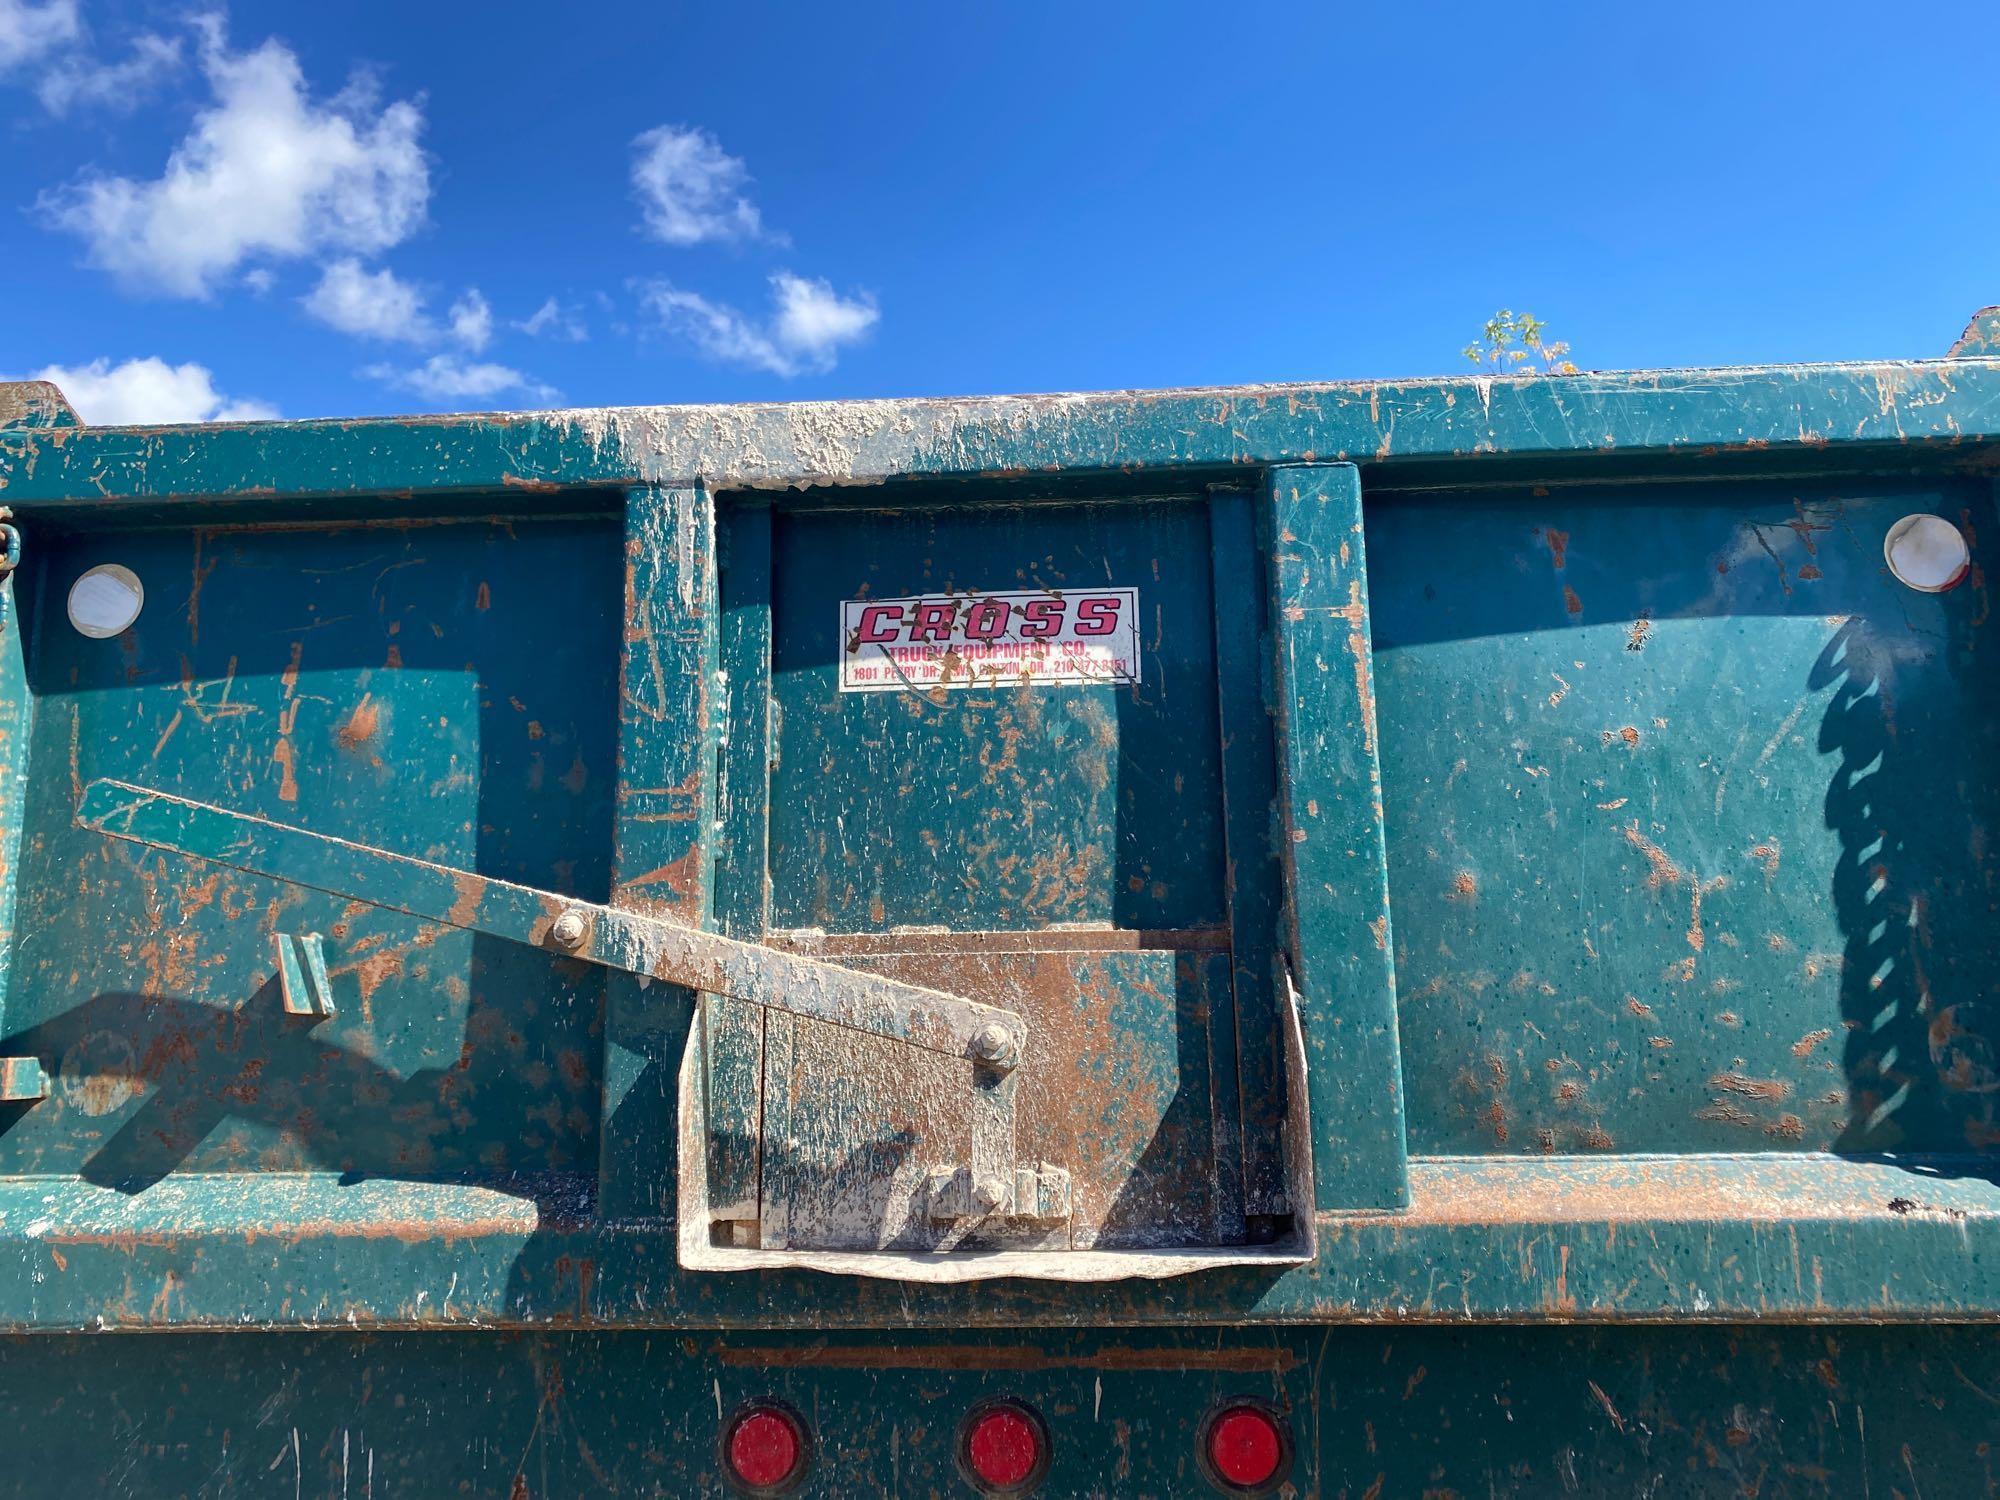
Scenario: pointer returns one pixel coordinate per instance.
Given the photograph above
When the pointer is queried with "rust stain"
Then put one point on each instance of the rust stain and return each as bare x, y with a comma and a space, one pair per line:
1571, 602
1806, 528
283, 755
1561, 1300
1464, 887
360, 726
1558, 544
285, 758
1356, 614
1662, 870
1768, 853
1803, 1047
470, 891
371, 973
166, 734
1725, 1112
1750, 1088
679, 876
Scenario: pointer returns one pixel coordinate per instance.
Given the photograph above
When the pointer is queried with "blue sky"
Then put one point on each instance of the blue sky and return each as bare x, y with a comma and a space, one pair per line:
372, 207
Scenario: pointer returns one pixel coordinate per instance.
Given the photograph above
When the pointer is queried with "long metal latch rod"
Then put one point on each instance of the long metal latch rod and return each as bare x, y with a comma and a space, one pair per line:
985, 1034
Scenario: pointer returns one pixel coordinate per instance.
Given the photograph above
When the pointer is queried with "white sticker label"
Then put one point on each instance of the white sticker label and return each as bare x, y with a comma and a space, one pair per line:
1025, 637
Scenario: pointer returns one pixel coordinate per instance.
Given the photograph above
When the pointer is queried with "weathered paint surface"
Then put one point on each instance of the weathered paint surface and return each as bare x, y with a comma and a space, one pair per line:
1677, 416
29, 404
1484, 1412
1621, 822
1691, 851
360, 680
1331, 832
648, 947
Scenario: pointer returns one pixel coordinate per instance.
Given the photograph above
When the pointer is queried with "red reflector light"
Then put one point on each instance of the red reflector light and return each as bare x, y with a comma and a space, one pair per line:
1004, 1448
765, 1449
1246, 1448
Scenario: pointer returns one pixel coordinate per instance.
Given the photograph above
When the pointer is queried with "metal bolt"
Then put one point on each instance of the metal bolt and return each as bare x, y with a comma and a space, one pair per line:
993, 1045
988, 1193
569, 930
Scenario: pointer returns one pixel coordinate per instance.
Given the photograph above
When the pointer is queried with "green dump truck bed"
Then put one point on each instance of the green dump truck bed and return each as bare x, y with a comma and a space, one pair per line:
1423, 938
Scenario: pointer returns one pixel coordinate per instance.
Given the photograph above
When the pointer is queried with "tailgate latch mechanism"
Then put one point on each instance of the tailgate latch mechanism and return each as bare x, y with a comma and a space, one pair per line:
991, 1184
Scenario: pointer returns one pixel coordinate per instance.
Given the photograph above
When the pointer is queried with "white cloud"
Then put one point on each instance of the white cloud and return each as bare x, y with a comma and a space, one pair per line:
381, 305
267, 173
554, 321
28, 30
809, 323
689, 188
446, 378
814, 320
369, 304
472, 320
80, 80
149, 391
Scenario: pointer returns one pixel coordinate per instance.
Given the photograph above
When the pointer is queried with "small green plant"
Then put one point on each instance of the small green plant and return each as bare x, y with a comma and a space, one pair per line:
1511, 344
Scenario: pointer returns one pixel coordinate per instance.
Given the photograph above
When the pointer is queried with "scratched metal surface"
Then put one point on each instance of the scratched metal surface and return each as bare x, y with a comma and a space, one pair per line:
989, 815
1657, 1413
366, 682
1115, 1087
1653, 421
1007, 808
1690, 842
503, 1152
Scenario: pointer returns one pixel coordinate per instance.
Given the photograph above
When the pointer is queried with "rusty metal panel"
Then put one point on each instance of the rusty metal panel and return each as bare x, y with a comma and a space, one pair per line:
1116, 1089
1692, 850
368, 682
997, 825
1624, 898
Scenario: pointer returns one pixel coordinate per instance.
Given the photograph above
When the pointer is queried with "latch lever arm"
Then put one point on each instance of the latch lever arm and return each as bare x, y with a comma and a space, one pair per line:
670, 951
